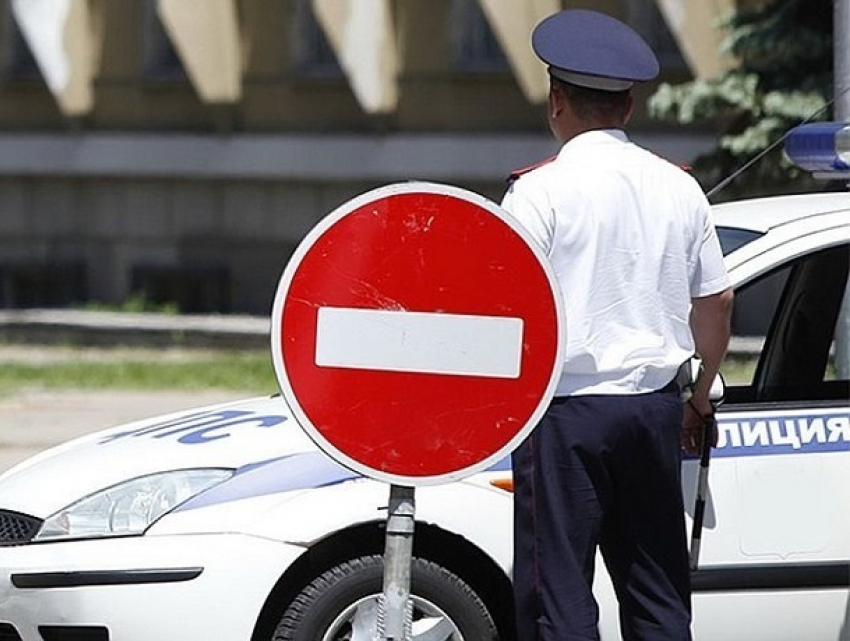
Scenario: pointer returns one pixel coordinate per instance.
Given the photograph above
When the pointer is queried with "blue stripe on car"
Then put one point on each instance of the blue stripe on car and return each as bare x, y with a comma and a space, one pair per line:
307, 470
744, 434
295, 472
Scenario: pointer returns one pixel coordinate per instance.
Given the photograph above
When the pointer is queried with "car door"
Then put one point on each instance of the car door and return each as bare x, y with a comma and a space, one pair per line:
775, 560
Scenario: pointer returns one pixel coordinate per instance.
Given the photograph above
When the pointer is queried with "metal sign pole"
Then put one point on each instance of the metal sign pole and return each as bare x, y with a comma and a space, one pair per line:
395, 611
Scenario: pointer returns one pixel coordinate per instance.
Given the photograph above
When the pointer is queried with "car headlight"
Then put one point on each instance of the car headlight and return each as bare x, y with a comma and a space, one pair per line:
129, 507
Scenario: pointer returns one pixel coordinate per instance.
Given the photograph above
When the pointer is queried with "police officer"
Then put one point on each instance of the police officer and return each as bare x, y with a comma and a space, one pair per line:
644, 285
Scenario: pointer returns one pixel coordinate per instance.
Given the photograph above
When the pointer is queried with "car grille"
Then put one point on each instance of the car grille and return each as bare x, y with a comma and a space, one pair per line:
16, 528
9, 633
73, 633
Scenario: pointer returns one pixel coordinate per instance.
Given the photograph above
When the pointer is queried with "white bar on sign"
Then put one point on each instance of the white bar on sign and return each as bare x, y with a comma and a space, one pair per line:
422, 342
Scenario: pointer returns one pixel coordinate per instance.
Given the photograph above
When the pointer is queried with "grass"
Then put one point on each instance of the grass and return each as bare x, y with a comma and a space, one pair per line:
249, 371
137, 369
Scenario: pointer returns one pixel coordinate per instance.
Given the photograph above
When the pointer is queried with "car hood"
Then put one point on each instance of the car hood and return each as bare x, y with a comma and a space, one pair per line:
231, 435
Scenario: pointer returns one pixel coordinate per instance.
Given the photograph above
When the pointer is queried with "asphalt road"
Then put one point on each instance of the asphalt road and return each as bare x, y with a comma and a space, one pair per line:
33, 420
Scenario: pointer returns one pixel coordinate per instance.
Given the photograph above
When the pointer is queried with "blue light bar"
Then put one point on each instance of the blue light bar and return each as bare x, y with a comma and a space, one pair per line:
820, 146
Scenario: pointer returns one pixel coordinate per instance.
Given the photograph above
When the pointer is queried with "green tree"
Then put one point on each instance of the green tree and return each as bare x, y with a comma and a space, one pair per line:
783, 77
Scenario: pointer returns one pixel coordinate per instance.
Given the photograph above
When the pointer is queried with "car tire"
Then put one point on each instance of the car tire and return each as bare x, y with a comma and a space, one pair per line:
342, 605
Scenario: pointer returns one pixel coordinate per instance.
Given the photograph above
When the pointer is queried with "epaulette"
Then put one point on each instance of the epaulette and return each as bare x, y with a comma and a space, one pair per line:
519, 173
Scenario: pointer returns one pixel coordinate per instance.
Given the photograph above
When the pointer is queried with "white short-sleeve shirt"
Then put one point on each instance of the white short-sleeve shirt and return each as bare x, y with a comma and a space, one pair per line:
631, 241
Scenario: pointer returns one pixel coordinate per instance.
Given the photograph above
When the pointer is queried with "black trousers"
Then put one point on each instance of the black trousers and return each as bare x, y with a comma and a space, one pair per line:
602, 472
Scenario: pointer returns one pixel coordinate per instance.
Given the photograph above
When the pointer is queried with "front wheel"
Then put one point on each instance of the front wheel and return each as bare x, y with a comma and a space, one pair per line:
342, 605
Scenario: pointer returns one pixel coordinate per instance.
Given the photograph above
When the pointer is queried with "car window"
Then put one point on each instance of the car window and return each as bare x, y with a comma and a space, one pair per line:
839, 368
732, 238
792, 321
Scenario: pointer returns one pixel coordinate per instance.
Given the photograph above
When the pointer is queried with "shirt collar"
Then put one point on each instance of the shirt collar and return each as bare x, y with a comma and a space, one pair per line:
593, 138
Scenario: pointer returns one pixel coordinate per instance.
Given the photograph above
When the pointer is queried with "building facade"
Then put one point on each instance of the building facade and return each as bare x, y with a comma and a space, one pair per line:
180, 150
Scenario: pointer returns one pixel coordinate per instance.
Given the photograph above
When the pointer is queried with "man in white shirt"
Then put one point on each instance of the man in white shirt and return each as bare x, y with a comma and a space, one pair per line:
642, 276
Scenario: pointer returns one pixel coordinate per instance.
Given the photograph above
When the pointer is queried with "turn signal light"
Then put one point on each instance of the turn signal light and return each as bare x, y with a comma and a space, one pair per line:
506, 483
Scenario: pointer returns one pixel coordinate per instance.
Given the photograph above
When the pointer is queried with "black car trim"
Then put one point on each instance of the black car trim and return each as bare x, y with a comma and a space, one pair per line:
786, 576
47, 580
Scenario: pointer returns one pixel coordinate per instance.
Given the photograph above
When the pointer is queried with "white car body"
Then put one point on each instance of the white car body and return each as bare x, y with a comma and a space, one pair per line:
775, 554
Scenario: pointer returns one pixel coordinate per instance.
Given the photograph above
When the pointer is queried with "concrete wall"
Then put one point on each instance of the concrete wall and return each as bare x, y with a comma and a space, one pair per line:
233, 237
209, 222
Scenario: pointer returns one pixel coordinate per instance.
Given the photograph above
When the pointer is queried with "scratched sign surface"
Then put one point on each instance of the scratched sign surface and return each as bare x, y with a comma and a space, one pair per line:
415, 333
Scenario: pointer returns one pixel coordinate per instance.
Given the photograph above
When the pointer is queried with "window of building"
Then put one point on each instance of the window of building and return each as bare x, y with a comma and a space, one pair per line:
161, 61
20, 61
476, 48
647, 20
36, 284
314, 56
192, 289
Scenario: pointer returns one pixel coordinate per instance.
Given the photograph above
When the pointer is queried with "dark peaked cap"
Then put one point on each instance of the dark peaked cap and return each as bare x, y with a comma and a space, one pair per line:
593, 50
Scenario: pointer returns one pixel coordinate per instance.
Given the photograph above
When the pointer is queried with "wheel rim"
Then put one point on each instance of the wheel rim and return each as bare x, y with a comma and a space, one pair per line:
359, 622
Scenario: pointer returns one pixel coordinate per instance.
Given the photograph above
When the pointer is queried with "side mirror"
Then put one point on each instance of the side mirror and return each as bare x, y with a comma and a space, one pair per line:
687, 376
718, 390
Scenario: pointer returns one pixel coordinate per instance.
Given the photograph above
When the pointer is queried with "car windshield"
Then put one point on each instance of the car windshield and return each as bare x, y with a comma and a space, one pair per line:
732, 238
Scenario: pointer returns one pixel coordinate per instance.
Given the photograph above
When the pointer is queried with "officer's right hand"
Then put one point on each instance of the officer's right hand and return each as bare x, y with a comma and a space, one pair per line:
698, 423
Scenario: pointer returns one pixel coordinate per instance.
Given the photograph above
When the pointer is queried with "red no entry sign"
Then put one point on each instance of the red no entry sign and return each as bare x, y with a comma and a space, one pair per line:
415, 334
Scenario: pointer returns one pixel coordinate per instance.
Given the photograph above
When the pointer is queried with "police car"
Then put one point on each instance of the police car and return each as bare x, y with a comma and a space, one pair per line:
226, 522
